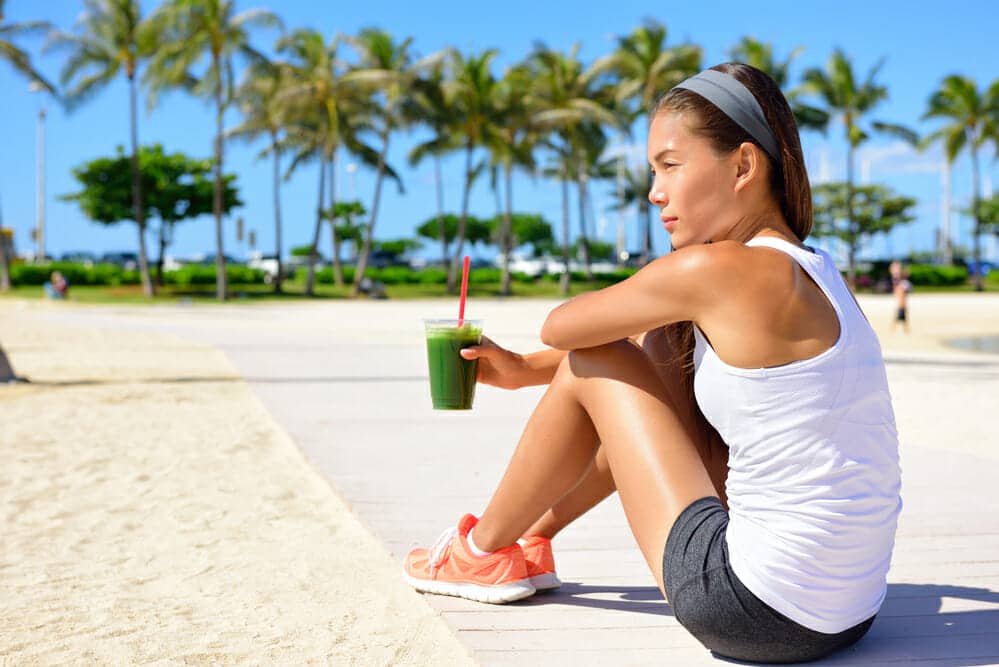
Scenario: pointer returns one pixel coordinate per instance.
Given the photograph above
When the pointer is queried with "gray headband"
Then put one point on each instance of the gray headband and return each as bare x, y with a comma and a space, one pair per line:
735, 101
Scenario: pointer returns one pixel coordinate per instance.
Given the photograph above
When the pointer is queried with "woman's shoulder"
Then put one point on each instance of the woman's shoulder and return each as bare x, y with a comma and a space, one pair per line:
735, 263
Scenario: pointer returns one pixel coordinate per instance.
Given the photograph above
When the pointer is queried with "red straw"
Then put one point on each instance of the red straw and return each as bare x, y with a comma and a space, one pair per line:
464, 292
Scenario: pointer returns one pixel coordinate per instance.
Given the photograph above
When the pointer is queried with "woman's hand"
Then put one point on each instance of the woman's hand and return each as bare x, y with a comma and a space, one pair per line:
498, 367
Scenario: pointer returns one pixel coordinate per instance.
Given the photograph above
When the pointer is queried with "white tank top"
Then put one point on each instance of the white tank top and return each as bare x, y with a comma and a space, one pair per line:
813, 483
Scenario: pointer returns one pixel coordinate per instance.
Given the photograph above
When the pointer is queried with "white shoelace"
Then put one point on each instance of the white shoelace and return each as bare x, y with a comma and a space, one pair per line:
441, 548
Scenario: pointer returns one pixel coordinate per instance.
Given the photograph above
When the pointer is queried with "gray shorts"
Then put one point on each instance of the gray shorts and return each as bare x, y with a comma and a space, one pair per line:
710, 601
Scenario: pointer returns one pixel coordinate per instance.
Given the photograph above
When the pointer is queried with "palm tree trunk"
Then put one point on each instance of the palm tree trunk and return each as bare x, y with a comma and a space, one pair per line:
4, 260
441, 229
459, 241
310, 278
566, 279
220, 277
159, 260
337, 267
276, 153
976, 203
507, 232
584, 243
362, 261
851, 225
137, 209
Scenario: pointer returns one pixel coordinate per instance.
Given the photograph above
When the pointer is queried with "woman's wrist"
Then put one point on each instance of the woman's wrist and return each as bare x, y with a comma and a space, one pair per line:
539, 367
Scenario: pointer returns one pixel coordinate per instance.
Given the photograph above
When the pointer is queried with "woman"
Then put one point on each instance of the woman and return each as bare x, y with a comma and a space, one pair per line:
748, 430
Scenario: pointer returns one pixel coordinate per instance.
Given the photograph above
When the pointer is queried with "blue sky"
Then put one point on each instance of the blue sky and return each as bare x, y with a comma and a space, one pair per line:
922, 44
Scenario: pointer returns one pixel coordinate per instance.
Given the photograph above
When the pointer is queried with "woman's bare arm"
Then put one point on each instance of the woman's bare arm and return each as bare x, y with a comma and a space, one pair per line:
683, 285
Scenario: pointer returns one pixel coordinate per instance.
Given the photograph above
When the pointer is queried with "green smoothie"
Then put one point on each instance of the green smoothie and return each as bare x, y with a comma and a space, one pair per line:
452, 379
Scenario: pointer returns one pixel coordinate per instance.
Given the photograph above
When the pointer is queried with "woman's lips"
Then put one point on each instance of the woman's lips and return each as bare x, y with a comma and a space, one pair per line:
669, 223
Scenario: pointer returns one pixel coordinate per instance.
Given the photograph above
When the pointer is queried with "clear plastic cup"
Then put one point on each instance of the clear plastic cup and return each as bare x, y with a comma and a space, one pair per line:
452, 378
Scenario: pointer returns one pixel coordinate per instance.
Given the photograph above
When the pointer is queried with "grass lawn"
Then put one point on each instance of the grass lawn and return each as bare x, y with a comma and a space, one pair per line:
293, 291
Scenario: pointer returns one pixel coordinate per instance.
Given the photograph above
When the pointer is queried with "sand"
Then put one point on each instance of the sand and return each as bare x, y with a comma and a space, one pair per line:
152, 512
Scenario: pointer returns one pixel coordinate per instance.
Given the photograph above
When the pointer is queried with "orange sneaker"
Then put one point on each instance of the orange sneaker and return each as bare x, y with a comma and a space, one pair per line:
450, 568
540, 562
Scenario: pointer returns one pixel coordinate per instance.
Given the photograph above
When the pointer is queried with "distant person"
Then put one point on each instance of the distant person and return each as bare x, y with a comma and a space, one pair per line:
57, 287
732, 393
900, 287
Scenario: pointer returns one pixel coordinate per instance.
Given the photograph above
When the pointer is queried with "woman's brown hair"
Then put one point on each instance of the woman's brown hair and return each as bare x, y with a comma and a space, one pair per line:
788, 178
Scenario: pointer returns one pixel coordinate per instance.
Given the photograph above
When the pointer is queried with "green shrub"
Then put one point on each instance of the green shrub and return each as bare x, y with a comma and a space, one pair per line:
433, 276
205, 275
395, 275
484, 276
76, 274
937, 276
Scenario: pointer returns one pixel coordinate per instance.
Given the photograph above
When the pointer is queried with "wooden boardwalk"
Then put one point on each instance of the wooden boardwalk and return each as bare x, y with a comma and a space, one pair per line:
348, 382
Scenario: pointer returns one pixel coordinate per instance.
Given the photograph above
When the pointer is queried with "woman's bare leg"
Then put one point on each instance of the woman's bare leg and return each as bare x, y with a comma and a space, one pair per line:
651, 444
598, 482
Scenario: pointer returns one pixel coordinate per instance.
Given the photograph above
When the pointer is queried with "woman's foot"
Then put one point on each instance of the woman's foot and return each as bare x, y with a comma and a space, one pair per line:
540, 562
450, 567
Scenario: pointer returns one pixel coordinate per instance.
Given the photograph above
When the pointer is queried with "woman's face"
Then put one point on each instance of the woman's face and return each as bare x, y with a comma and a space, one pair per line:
692, 186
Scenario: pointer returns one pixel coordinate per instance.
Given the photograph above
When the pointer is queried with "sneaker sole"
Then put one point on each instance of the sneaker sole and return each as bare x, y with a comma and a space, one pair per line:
546, 582
517, 590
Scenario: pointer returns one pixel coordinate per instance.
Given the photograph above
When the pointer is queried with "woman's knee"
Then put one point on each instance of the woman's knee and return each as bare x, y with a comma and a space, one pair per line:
617, 356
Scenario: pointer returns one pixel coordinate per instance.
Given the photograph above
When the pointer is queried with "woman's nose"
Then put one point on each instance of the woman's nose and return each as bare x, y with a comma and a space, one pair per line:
657, 197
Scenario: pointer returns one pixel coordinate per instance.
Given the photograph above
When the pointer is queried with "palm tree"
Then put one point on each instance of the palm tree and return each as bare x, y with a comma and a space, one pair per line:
633, 188
429, 105
260, 100
647, 68
570, 100
388, 70
761, 56
109, 42
513, 139
341, 216
21, 62
837, 88
184, 32
324, 112
472, 89
972, 119
560, 168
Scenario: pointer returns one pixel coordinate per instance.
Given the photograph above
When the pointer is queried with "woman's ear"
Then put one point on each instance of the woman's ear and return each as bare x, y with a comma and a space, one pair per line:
748, 165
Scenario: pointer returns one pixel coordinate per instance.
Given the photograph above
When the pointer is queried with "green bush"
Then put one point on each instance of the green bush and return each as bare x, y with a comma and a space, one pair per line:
937, 276
76, 274
205, 275
433, 276
324, 276
394, 275
484, 276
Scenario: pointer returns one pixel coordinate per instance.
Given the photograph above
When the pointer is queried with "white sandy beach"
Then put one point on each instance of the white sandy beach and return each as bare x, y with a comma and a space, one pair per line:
152, 511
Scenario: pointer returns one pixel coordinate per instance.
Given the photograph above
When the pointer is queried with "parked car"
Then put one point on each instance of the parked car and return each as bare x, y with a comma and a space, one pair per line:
126, 260
986, 267
209, 259
88, 259
269, 265
379, 259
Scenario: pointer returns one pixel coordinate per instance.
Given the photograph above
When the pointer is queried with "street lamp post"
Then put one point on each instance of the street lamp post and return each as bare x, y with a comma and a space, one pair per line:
35, 87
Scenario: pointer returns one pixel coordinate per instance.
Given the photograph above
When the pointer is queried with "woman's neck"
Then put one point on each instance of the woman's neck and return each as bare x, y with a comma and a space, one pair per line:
765, 223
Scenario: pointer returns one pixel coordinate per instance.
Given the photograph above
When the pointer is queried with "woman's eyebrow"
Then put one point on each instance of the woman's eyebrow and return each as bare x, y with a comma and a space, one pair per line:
662, 153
